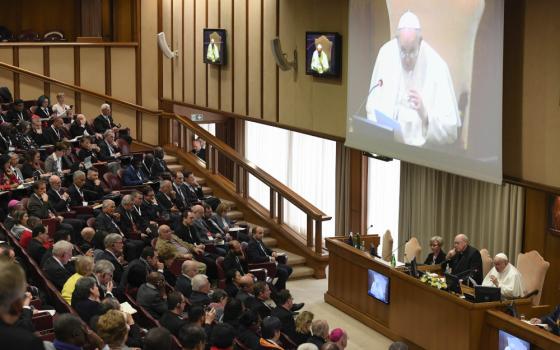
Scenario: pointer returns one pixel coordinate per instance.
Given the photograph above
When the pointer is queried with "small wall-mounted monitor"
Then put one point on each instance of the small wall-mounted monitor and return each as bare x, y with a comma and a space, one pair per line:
508, 341
378, 286
214, 50
323, 54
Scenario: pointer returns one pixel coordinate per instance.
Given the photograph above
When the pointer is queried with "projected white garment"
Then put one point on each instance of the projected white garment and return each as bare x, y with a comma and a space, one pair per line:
431, 79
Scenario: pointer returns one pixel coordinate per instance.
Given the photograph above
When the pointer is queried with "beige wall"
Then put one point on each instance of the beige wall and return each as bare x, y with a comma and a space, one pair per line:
249, 83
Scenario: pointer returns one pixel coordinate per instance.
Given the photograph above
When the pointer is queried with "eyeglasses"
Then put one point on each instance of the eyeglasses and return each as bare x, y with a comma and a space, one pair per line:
409, 53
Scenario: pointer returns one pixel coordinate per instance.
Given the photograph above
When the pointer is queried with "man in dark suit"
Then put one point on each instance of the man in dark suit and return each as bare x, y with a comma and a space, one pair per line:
137, 270
92, 185
150, 206
172, 319
283, 311
133, 175
37, 132
103, 271
79, 195
17, 113
151, 295
189, 269
55, 266
104, 121
58, 198
235, 260
36, 246
261, 290
194, 190
464, 260
114, 254
180, 191
39, 206
258, 253
55, 133
200, 290
166, 198
108, 149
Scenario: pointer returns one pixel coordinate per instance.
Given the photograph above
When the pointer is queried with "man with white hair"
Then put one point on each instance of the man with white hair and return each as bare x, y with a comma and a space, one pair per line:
464, 260
319, 60
54, 267
504, 276
200, 290
104, 121
416, 90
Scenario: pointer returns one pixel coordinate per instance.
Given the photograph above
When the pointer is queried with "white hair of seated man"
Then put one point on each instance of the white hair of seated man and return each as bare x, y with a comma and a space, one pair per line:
307, 346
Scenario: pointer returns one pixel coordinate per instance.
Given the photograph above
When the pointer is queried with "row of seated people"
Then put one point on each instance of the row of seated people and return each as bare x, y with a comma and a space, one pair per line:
45, 125
91, 291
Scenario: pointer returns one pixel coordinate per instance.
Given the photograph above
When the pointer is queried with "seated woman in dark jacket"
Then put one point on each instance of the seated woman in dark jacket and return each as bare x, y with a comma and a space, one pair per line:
22, 136
85, 299
437, 256
32, 165
44, 109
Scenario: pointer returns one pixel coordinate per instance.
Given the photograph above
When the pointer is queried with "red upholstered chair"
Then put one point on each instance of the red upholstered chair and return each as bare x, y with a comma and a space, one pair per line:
254, 268
221, 272
90, 222
42, 321
175, 267
51, 225
112, 181
123, 146
120, 173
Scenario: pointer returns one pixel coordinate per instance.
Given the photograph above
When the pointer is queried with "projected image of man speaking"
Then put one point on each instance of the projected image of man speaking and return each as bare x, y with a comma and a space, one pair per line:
417, 96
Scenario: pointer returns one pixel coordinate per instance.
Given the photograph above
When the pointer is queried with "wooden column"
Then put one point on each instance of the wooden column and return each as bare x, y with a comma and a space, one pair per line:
92, 18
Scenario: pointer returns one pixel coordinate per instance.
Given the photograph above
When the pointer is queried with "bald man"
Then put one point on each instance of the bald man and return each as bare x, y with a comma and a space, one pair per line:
417, 90
504, 276
464, 260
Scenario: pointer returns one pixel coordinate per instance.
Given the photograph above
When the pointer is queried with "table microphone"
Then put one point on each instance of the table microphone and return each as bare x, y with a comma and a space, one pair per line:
379, 84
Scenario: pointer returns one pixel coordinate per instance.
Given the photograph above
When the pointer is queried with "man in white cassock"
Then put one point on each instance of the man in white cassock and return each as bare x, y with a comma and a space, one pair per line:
417, 89
319, 60
505, 276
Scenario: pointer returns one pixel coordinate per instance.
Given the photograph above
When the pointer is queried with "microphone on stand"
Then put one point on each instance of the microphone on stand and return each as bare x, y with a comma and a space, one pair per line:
379, 84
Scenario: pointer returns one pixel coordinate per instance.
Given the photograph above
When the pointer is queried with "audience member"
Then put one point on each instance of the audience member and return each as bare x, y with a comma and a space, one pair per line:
233, 279
133, 175
36, 247
339, 337
200, 290
249, 330
159, 166
172, 319
137, 270
271, 331
17, 113
104, 121
12, 287
108, 148
283, 312
55, 133
437, 256
183, 284
330, 346
53, 163
61, 109
8, 179
232, 311
114, 254
112, 328
152, 295
261, 301
218, 300
222, 337
71, 334
320, 331
307, 346
54, 266
258, 253
80, 127
43, 109
20, 226
245, 292
37, 132
84, 268
85, 299
158, 338
192, 337
303, 327
103, 273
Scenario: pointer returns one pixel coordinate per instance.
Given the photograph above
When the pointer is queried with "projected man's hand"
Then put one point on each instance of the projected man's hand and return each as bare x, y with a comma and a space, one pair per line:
416, 103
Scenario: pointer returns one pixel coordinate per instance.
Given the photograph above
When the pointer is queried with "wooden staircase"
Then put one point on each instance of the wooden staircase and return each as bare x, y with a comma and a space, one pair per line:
297, 262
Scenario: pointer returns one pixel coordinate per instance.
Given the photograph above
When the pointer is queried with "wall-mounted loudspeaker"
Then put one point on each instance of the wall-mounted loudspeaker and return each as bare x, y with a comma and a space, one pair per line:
281, 58
165, 49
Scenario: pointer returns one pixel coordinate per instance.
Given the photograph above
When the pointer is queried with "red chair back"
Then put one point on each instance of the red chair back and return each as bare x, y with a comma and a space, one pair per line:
112, 181
176, 266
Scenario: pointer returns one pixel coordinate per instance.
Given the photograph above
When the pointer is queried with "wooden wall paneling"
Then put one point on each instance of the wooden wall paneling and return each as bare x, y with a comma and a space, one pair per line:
167, 71
91, 18
123, 70
39, 16
288, 81
60, 59
254, 59
200, 66
149, 51
31, 58
138, 65
213, 70
123, 20
189, 78
269, 78
92, 66
7, 77
240, 57
178, 45
226, 73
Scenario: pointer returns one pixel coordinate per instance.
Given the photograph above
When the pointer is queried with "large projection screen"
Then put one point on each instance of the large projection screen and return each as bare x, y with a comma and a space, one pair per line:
425, 83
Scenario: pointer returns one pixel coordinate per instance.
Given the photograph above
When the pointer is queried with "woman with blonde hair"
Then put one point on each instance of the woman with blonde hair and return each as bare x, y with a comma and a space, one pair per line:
303, 326
113, 329
84, 267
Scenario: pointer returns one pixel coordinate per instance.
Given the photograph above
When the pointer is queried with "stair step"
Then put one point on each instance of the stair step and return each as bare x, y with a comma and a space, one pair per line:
301, 271
170, 158
270, 242
293, 259
231, 204
251, 225
235, 215
206, 190
175, 167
